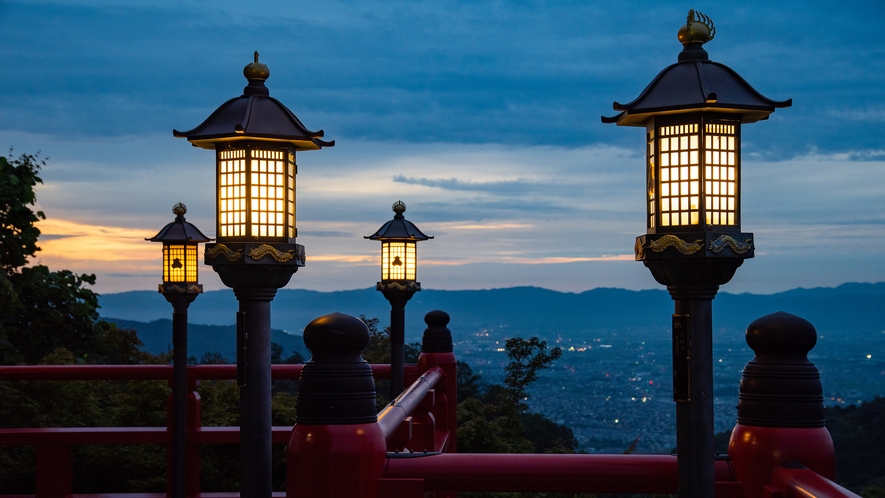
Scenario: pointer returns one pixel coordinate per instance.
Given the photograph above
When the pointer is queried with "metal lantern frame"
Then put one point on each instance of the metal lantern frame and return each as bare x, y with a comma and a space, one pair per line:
255, 139
180, 287
693, 172
399, 271
180, 241
256, 191
692, 112
399, 251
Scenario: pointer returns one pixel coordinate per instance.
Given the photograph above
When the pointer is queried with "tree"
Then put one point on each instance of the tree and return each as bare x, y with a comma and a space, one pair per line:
43, 310
496, 420
18, 235
526, 358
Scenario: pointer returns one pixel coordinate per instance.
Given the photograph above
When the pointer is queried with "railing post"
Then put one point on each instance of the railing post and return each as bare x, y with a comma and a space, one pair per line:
337, 449
780, 411
55, 475
436, 350
194, 423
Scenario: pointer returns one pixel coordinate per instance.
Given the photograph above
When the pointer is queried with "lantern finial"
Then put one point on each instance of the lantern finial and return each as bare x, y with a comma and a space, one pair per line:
179, 209
399, 207
698, 28
257, 73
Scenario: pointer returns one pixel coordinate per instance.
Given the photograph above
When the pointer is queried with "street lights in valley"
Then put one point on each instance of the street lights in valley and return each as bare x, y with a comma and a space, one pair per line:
255, 138
399, 262
180, 287
692, 113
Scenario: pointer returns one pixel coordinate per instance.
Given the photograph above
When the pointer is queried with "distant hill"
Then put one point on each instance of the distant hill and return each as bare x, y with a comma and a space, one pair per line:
157, 338
849, 308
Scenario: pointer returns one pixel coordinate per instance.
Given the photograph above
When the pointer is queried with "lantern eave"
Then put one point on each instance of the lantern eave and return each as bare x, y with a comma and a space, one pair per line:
696, 86
181, 232
746, 114
253, 117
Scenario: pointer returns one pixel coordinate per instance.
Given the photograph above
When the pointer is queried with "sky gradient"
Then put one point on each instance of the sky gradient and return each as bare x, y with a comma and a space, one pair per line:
483, 117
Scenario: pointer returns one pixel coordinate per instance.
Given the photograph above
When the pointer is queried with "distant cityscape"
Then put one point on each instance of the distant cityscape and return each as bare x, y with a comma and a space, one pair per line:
612, 390
613, 383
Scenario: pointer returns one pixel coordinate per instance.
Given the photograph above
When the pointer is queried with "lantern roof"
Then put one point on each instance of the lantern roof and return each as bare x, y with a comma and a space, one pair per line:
696, 84
255, 115
399, 228
179, 231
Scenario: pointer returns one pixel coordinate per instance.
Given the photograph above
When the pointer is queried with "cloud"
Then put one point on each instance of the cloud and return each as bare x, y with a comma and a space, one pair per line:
448, 72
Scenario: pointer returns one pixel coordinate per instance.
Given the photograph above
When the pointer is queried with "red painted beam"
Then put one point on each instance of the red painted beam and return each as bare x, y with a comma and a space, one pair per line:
81, 436
155, 372
804, 483
544, 472
394, 413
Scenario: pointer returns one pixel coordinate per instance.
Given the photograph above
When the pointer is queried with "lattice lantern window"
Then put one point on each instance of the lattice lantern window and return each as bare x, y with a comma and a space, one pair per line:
693, 173
398, 260
180, 240
256, 193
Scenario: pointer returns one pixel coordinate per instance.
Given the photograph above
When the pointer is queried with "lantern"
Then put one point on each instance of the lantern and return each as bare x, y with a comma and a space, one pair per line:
255, 138
399, 258
692, 112
399, 263
180, 240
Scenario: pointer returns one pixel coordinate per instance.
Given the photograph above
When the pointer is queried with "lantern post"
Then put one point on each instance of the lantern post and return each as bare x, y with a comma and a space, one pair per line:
180, 287
399, 265
255, 139
692, 113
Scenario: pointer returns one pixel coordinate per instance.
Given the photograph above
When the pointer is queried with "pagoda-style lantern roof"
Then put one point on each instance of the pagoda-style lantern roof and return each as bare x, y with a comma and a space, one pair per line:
696, 84
255, 115
179, 231
399, 228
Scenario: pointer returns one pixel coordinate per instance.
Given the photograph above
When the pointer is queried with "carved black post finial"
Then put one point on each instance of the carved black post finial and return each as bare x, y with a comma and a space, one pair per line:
437, 337
336, 386
780, 387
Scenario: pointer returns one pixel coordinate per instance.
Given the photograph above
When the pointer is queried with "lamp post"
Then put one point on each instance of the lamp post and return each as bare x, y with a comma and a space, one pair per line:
692, 113
255, 138
399, 264
180, 287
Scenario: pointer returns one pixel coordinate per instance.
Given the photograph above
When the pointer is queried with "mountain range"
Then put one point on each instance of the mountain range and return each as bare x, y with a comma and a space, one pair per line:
849, 309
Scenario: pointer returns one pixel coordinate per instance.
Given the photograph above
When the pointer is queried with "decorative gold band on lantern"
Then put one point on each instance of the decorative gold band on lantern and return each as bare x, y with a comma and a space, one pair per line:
682, 246
221, 249
264, 250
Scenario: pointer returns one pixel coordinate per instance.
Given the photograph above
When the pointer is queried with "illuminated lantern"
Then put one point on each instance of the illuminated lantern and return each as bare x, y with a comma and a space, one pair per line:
692, 113
255, 138
399, 259
399, 263
180, 256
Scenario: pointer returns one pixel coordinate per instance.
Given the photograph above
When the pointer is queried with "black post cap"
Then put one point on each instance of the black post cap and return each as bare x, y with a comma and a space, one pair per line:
780, 387
437, 337
336, 387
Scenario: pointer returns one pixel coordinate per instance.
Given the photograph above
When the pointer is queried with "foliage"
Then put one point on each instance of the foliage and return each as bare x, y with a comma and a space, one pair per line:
858, 433
495, 421
18, 235
43, 310
470, 385
526, 358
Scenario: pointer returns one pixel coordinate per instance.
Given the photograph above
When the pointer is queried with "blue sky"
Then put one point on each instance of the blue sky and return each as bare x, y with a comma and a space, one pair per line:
483, 117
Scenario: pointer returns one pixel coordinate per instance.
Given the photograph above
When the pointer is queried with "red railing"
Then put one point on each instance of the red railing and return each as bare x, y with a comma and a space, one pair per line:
54, 445
419, 431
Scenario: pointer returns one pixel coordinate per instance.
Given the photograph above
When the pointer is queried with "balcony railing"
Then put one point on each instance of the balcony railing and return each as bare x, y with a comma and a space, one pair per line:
418, 449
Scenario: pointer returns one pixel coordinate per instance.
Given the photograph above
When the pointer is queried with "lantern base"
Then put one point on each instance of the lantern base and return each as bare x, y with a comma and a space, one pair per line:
398, 291
255, 264
694, 258
172, 289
